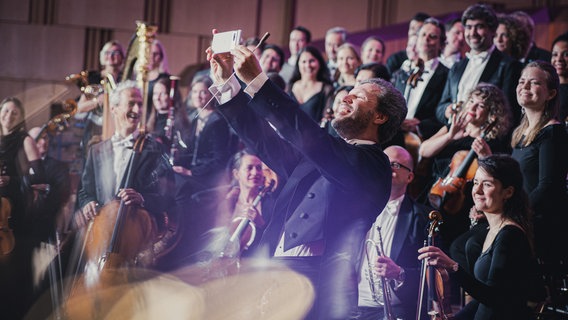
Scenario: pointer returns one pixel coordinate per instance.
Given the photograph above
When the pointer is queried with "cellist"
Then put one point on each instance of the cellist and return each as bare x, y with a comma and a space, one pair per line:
107, 162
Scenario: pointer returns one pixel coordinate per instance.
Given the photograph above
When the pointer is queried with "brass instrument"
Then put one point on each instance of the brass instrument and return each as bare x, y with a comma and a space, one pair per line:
381, 295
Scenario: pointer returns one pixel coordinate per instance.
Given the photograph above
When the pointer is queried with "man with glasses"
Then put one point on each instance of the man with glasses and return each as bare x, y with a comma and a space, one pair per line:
482, 64
402, 224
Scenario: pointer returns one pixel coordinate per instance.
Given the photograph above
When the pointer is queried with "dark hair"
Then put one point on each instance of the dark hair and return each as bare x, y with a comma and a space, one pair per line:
507, 170
376, 38
441, 26
305, 31
450, 23
323, 72
278, 51
378, 70
235, 162
519, 36
481, 12
254, 41
342, 88
392, 104
420, 16
561, 38
181, 120
22, 125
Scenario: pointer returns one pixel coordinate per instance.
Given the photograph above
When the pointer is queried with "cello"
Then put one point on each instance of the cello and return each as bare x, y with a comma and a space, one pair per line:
448, 193
435, 279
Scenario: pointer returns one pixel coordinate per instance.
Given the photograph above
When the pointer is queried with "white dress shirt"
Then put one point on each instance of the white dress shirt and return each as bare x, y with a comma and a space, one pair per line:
472, 72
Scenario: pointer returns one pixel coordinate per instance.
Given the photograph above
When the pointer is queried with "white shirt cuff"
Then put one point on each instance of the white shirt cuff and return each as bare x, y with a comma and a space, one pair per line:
256, 84
226, 91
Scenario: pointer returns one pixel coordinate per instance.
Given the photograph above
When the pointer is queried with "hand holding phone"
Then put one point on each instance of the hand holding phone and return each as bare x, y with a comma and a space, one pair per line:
225, 41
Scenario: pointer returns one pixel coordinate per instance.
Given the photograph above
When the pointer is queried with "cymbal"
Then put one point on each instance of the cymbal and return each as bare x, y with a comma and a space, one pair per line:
126, 293
252, 289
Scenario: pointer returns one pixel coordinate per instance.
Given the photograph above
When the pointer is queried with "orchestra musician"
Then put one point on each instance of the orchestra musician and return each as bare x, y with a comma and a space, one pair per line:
333, 187
105, 168
502, 276
20, 167
403, 229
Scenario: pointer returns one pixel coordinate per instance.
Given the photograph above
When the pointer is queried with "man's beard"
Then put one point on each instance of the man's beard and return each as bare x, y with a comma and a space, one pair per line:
352, 126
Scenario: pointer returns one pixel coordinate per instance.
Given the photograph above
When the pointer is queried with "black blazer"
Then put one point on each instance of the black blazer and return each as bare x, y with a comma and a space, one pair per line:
501, 70
150, 167
332, 191
426, 110
410, 232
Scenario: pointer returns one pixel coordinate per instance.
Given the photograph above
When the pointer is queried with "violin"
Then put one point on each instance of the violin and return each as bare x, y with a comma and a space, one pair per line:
243, 230
435, 278
7, 240
448, 193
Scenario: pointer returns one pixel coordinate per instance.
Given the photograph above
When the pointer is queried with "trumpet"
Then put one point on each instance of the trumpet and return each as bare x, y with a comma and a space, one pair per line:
380, 288
90, 90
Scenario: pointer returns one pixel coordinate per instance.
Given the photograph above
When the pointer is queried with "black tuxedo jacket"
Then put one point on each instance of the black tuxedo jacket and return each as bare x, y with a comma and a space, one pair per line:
410, 232
151, 169
332, 190
426, 110
501, 70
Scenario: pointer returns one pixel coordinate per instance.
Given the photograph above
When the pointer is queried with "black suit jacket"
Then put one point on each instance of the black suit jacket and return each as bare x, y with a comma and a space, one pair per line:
151, 169
501, 70
332, 189
426, 110
410, 232
395, 60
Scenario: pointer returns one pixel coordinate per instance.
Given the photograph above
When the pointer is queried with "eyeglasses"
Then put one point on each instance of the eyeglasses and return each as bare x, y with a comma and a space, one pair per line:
396, 165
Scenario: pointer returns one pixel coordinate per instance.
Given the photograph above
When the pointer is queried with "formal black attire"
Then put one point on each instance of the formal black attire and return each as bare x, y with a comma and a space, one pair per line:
536, 53
563, 99
544, 164
498, 279
395, 61
426, 109
409, 235
332, 193
207, 154
317, 103
98, 176
501, 71
17, 292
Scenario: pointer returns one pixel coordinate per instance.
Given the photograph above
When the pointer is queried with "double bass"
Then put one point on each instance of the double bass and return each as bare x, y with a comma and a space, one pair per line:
448, 193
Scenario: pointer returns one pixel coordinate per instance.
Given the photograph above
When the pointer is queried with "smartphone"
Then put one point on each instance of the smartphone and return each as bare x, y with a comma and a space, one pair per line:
225, 41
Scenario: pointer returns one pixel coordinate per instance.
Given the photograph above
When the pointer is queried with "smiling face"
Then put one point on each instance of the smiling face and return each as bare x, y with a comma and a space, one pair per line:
160, 98
347, 60
560, 60
488, 193
455, 38
332, 42
476, 110
373, 51
532, 90
270, 61
249, 175
428, 44
200, 95
297, 42
478, 35
308, 65
357, 112
10, 117
128, 111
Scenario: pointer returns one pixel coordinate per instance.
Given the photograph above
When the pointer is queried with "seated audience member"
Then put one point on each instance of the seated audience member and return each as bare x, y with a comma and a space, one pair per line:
395, 60
512, 37
334, 38
455, 43
347, 62
300, 37
533, 53
560, 63
310, 85
373, 50
371, 70
400, 229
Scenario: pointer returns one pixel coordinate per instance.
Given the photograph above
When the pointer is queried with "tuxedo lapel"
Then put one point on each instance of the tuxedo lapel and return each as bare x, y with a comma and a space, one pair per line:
402, 227
491, 68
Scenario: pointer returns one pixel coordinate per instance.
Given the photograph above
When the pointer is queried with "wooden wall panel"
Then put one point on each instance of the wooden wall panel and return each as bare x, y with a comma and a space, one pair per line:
14, 11
109, 14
